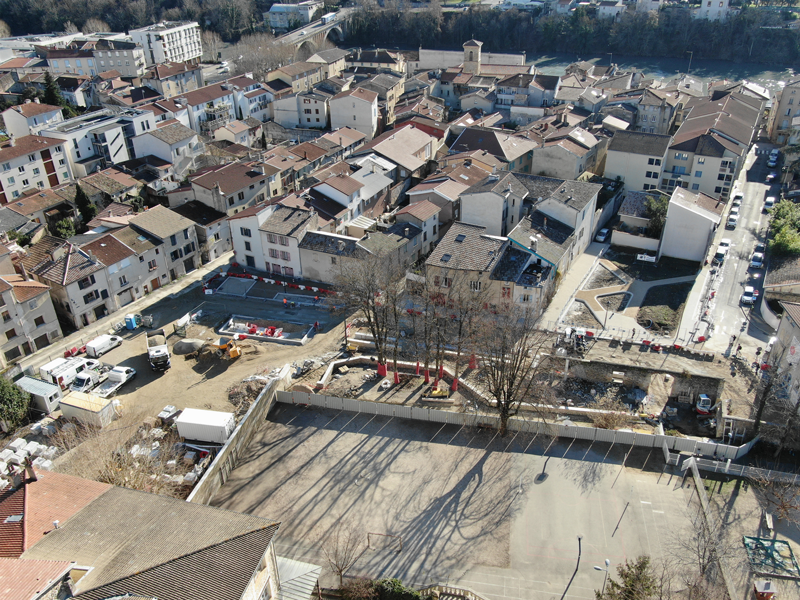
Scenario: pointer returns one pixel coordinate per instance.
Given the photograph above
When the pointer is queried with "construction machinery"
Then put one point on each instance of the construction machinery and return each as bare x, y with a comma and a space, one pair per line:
227, 348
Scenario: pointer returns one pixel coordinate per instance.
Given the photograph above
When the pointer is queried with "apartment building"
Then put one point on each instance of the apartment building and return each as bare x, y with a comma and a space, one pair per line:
210, 107
357, 109
332, 62
78, 282
124, 271
127, 58
637, 159
211, 226
174, 78
31, 163
72, 60
784, 111
29, 318
149, 254
169, 41
709, 149
266, 237
101, 138
302, 76
171, 142
289, 16
30, 117
309, 110
175, 233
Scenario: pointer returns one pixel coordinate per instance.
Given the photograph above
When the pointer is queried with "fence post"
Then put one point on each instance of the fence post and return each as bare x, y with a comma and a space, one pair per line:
728, 465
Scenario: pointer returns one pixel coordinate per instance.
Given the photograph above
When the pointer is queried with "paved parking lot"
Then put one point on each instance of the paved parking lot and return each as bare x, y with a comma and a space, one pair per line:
501, 516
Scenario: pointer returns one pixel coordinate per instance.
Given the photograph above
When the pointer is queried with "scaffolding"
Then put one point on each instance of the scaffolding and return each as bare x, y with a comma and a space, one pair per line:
771, 557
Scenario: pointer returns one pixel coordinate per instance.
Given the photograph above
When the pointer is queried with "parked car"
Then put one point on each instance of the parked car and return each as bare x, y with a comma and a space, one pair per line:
760, 247
757, 261
772, 162
771, 177
719, 256
737, 200
750, 295
725, 243
734, 211
769, 203
733, 220
601, 236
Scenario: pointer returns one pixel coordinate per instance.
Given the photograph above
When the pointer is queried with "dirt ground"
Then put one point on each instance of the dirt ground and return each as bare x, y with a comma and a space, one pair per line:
580, 316
602, 278
666, 268
663, 306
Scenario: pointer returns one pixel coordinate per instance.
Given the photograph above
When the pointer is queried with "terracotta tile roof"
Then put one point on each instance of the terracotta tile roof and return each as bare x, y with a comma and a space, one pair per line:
32, 109
70, 265
24, 289
115, 209
39, 200
206, 94
12, 534
299, 68
109, 250
110, 74
170, 69
360, 93
26, 579
231, 177
27, 144
308, 150
423, 210
342, 183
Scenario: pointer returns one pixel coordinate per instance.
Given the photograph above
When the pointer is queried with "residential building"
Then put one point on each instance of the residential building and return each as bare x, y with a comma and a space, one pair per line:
323, 253
210, 107
234, 132
637, 159
400, 242
332, 61
99, 139
389, 88
30, 118
149, 253
266, 237
124, 271
709, 148
566, 154
652, 111
378, 60
72, 60
48, 206
113, 558
692, 219
211, 226
292, 16
784, 110
496, 204
408, 147
632, 229
77, 280
169, 41
713, 10
784, 356
515, 151
127, 58
308, 110
172, 142
167, 110
425, 215
36, 579
31, 163
29, 318
444, 188
357, 192
357, 109
176, 234
302, 76
174, 78
230, 188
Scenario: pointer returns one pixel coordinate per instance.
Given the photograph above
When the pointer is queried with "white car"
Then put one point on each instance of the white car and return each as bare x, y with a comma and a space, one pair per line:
719, 256
750, 295
601, 236
757, 261
769, 203
737, 200
725, 243
733, 220
734, 211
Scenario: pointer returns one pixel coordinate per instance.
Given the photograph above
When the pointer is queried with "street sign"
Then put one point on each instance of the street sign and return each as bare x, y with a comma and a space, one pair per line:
646, 258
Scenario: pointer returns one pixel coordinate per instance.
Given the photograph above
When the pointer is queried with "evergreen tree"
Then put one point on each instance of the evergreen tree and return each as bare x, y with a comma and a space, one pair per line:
637, 581
64, 229
85, 206
52, 93
14, 403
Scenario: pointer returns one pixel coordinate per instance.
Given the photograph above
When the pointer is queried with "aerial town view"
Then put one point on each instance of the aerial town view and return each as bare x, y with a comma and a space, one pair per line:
392, 300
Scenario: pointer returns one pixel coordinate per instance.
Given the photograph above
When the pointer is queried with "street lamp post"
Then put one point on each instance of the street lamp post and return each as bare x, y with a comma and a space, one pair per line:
691, 56
605, 577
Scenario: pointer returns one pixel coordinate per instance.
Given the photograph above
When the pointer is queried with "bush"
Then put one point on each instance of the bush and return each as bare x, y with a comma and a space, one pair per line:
393, 589
359, 589
14, 404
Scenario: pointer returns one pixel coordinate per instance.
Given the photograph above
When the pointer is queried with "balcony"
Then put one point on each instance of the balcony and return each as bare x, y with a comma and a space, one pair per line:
214, 124
219, 109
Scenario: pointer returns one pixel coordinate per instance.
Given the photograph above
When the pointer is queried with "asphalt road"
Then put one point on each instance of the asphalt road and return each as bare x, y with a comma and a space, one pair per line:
728, 313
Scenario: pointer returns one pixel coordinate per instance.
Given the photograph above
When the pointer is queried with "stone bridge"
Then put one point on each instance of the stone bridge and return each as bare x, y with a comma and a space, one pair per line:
310, 38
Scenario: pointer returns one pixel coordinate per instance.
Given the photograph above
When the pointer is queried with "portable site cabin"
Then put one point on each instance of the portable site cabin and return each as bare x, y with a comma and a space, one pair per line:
88, 408
45, 396
205, 425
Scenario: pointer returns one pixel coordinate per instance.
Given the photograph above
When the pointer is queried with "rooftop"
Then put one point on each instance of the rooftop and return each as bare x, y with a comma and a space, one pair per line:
26, 579
27, 144
637, 142
109, 250
230, 178
172, 134
199, 213
466, 247
288, 221
161, 222
422, 211
32, 109
553, 238
59, 261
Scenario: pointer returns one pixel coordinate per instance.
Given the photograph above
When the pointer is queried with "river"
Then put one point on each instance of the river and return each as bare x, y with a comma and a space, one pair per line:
772, 77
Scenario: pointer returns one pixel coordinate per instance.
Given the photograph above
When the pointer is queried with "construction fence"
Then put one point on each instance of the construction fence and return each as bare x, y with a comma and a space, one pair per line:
592, 434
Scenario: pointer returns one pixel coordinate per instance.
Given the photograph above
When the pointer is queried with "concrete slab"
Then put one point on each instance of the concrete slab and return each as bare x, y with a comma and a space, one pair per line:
501, 516
236, 286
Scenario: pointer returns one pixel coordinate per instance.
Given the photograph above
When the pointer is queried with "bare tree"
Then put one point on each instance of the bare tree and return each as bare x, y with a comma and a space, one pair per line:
612, 414
260, 54
70, 27
211, 45
371, 286
5, 30
780, 497
343, 547
93, 25
512, 353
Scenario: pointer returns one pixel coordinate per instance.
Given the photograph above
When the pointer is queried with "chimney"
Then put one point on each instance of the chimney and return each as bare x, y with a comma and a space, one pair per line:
36, 100
55, 524
27, 101
544, 225
533, 243
29, 470
341, 246
406, 231
12, 141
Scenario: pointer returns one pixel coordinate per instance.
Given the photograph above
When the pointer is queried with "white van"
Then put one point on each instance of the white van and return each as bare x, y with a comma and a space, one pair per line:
64, 375
102, 344
46, 371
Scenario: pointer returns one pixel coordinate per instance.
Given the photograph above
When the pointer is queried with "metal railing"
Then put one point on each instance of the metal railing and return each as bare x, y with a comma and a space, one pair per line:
451, 591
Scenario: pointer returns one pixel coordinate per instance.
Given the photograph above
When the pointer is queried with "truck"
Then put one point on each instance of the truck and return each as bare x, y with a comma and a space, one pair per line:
102, 344
158, 350
86, 380
115, 379
328, 18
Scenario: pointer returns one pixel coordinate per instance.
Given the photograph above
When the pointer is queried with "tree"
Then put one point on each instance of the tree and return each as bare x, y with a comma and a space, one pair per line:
511, 350
85, 206
93, 25
14, 404
260, 54
780, 497
52, 93
637, 581
211, 45
655, 208
64, 229
70, 27
370, 285
5, 30
343, 547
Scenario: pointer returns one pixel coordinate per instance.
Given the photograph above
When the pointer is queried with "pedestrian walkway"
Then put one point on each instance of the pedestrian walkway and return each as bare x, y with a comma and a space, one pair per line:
574, 279
105, 325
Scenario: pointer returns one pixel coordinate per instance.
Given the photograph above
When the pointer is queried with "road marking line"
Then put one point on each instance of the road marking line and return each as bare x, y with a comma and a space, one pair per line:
659, 511
645, 502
